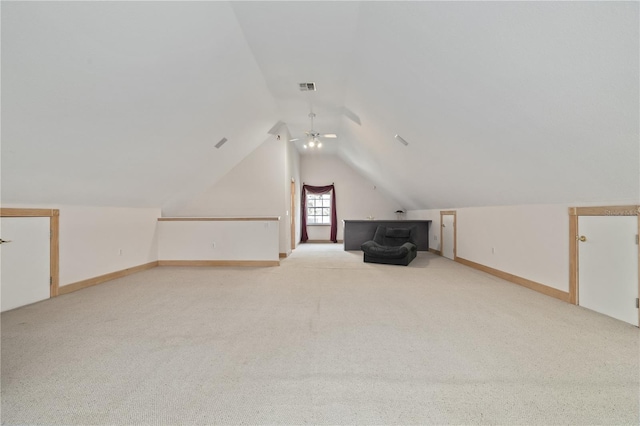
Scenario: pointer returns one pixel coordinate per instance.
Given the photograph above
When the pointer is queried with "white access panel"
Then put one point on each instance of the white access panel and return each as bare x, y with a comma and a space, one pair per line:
24, 262
608, 266
447, 236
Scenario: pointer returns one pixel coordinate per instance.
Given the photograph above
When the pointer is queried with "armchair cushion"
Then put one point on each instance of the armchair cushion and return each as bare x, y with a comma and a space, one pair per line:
391, 252
391, 245
397, 236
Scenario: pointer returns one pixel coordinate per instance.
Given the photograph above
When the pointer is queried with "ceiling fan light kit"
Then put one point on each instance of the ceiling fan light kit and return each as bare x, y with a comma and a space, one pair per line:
312, 136
313, 143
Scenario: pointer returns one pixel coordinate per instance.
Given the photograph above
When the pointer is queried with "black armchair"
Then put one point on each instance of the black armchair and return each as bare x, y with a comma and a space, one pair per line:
393, 246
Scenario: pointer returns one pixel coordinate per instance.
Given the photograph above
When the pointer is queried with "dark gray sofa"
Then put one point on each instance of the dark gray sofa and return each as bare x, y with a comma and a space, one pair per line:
392, 246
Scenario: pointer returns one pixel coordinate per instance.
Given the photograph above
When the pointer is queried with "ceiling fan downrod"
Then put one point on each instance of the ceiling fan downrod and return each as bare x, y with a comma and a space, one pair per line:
313, 136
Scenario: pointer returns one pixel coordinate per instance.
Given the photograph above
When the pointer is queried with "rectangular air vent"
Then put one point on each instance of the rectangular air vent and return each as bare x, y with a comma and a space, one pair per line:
307, 87
222, 142
401, 140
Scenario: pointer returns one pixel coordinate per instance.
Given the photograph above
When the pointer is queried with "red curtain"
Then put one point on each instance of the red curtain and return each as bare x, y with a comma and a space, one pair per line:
334, 217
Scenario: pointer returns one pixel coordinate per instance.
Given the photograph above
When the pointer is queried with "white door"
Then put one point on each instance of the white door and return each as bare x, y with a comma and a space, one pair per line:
24, 267
447, 236
608, 266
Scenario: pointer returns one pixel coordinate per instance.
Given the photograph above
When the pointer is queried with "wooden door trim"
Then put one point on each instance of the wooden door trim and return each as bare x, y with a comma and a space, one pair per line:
54, 240
604, 211
573, 259
574, 255
455, 232
292, 218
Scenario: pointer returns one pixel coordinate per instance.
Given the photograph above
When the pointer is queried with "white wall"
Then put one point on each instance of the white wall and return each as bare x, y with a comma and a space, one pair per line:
251, 188
91, 239
254, 187
218, 240
292, 173
530, 241
356, 197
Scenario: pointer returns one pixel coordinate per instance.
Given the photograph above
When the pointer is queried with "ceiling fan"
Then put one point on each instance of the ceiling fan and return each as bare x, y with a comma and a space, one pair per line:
312, 136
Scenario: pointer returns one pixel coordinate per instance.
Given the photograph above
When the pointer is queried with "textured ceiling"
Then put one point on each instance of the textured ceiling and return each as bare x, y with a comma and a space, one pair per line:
501, 102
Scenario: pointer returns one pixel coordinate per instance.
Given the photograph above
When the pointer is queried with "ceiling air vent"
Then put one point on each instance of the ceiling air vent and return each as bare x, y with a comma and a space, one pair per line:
307, 87
222, 142
401, 140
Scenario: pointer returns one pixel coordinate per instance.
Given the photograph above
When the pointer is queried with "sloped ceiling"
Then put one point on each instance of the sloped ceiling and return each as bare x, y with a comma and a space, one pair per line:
121, 103
501, 102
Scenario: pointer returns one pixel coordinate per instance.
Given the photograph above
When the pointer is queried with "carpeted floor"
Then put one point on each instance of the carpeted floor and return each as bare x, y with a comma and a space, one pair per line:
322, 339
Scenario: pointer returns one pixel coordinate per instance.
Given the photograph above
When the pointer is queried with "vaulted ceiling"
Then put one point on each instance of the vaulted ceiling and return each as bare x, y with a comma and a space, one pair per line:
121, 103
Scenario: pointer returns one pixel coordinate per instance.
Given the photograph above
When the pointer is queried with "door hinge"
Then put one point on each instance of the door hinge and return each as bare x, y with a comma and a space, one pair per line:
637, 303
50, 280
636, 238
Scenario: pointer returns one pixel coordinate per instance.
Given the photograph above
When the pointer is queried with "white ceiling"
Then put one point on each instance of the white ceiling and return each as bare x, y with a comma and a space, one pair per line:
296, 42
502, 102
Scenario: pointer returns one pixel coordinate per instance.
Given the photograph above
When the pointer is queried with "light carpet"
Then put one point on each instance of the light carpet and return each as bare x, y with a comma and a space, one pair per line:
322, 339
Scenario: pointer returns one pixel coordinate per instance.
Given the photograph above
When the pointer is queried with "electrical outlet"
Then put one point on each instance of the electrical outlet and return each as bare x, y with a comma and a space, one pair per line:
119, 252
435, 237
213, 245
493, 250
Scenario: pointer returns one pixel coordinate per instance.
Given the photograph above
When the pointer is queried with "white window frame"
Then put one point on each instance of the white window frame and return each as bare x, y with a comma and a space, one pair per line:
325, 204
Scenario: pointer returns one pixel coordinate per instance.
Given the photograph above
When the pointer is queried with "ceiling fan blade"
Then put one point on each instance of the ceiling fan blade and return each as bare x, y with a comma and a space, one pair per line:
329, 135
294, 139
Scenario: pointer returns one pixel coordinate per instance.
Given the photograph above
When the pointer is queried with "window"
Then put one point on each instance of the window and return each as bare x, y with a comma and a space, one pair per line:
319, 209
